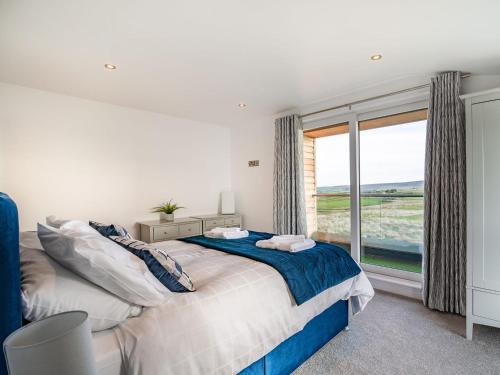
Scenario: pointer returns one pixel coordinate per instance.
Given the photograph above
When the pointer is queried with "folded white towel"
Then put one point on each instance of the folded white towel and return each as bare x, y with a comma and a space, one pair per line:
266, 244
294, 246
224, 229
232, 235
235, 235
288, 237
289, 243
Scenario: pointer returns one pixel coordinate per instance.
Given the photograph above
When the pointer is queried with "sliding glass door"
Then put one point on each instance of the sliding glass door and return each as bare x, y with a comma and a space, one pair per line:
391, 167
367, 194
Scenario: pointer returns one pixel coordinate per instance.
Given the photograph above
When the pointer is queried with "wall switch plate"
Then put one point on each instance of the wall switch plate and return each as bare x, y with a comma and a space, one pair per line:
253, 163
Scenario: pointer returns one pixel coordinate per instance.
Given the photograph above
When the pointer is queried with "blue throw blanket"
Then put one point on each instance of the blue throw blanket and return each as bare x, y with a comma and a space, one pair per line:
307, 272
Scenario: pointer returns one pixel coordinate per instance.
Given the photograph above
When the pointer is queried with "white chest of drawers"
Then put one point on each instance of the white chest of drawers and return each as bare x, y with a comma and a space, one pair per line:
156, 230
219, 220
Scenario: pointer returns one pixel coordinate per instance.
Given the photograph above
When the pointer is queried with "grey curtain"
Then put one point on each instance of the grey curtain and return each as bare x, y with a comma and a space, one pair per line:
444, 264
289, 196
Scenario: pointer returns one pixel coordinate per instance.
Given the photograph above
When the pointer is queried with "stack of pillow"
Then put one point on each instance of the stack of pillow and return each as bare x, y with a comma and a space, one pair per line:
69, 265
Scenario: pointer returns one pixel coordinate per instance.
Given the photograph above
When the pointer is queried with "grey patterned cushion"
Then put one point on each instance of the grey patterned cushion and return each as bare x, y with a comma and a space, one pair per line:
163, 266
110, 230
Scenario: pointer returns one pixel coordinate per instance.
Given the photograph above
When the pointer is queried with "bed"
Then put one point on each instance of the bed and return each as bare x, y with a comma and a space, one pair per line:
241, 320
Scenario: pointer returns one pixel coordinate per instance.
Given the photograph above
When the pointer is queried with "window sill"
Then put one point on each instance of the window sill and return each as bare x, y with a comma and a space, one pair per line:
396, 285
399, 274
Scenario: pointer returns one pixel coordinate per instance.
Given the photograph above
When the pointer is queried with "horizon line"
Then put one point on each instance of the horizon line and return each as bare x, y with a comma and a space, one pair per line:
374, 183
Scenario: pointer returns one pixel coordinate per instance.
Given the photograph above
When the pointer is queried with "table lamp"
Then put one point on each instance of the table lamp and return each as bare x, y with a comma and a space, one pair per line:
60, 344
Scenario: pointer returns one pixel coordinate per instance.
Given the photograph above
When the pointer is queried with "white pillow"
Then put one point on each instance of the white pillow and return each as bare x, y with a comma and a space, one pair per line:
48, 288
52, 221
81, 249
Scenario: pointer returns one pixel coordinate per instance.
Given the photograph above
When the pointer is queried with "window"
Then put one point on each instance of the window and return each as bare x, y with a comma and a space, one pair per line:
328, 201
392, 157
391, 173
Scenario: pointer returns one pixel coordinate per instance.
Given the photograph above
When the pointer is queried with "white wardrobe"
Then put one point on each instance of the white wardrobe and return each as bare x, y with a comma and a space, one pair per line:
483, 209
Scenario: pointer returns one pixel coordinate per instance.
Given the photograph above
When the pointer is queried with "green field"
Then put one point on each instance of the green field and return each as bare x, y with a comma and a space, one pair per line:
343, 203
389, 221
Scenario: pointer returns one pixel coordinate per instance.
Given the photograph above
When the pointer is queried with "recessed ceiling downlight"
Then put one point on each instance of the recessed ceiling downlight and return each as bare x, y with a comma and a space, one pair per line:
110, 66
376, 57
242, 105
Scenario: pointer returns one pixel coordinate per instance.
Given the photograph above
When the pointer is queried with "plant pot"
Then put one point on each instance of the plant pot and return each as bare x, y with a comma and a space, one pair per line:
166, 217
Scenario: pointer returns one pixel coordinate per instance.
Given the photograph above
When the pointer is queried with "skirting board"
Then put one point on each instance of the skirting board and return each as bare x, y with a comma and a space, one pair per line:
407, 288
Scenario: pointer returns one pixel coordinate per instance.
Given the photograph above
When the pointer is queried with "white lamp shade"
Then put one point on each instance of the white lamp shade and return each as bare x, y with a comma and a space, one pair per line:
60, 344
227, 202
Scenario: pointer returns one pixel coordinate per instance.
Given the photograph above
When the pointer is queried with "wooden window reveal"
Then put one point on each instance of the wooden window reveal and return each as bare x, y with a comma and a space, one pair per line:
400, 118
327, 131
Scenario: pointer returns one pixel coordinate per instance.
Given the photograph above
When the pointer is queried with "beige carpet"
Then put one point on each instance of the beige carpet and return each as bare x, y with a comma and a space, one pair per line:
396, 335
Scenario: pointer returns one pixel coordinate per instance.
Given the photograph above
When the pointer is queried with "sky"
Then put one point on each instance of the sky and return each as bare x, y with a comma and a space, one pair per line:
390, 154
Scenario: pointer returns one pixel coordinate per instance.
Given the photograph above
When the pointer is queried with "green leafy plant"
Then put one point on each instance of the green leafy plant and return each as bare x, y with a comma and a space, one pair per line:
168, 208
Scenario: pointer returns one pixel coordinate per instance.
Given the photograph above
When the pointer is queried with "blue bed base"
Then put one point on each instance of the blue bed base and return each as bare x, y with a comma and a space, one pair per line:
282, 360
294, 351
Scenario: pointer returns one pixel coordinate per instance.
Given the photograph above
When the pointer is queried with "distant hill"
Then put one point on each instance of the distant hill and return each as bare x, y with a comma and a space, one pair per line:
410, 185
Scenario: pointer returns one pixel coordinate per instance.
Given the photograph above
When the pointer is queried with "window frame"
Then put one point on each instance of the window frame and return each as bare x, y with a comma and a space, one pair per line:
353, 117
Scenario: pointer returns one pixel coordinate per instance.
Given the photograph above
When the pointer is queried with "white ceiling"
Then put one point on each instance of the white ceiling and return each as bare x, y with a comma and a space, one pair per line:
198, 59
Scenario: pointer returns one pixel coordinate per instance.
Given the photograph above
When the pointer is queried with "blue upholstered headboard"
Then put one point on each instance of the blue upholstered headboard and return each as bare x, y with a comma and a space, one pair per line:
10, 274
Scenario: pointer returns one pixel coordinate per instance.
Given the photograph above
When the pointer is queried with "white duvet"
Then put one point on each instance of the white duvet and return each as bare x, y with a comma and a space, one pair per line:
240, 311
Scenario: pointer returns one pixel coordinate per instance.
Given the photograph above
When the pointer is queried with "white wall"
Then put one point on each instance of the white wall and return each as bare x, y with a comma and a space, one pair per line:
254, 186
51, 146
478, 83
82, 159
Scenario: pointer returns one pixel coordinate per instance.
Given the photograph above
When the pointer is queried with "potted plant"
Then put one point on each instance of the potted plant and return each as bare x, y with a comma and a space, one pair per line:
166, 210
